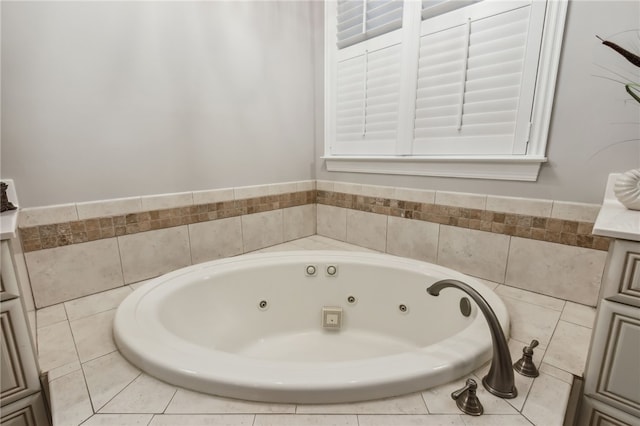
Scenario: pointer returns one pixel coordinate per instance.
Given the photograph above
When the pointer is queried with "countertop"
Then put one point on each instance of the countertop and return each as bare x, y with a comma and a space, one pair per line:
614, 219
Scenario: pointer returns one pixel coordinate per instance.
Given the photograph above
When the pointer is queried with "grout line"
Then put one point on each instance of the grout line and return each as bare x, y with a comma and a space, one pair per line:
124, 281
437, 260
116, 395
170, 399
506, 263
190, 246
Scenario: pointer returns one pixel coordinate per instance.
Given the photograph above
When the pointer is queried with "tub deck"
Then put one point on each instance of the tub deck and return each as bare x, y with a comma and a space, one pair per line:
91, 384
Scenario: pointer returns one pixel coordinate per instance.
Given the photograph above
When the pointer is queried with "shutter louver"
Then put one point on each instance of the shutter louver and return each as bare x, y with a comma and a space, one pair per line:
470, 78
431, 8
367, 102
360, 20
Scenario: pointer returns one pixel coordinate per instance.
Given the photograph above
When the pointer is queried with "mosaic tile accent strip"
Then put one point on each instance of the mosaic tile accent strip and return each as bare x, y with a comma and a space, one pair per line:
81, 231
567, 232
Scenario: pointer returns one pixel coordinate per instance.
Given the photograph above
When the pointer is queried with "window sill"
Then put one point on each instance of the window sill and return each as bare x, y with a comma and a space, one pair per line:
517, 168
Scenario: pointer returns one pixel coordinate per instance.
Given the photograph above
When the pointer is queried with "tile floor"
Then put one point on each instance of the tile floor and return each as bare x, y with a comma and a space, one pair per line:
92, 384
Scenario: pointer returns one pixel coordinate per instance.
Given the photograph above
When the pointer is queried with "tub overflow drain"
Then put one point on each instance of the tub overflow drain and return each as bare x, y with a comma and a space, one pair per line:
465, 307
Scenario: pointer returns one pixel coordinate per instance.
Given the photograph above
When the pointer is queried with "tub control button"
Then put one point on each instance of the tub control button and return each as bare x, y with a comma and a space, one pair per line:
311, 270
332, 270
332, 317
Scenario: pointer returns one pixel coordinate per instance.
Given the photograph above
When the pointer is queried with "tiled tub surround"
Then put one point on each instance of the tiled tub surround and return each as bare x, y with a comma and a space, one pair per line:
539, 245
79, 249
91, 384
78, 255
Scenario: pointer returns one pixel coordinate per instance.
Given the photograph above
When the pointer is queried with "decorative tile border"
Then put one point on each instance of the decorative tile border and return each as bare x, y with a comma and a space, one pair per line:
561, 231
567, 232
81, 231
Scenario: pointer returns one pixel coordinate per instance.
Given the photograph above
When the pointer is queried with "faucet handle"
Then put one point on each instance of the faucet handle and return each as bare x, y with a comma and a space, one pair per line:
529, 349
525, 365
467, 400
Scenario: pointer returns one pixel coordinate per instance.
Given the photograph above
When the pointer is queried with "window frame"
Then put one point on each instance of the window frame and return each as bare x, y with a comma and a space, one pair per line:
520, 167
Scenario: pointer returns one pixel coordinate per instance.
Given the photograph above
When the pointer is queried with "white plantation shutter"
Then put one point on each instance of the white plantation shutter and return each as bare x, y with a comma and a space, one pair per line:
367, 101
431, 8
476, 79
359, 20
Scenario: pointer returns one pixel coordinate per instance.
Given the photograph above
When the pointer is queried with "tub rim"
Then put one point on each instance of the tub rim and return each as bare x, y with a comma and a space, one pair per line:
186, 364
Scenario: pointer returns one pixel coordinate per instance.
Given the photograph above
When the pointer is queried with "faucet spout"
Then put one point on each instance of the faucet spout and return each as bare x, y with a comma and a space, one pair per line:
499, 381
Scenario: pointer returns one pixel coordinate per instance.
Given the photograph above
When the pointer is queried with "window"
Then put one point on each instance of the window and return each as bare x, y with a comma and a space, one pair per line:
440, 87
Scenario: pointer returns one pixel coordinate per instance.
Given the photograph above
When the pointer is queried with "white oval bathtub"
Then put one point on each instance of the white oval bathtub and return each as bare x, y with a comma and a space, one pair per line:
250, 327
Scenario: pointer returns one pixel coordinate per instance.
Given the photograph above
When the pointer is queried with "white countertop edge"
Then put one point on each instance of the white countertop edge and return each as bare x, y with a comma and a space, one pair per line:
615, 220
9, 219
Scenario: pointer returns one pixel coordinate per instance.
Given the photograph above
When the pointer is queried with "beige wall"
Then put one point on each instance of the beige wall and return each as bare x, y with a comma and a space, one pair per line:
103, 100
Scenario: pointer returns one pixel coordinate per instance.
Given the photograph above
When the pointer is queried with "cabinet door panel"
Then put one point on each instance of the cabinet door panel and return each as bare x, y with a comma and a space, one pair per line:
614, 377
29, 411
18, 365
595, 413
621, 280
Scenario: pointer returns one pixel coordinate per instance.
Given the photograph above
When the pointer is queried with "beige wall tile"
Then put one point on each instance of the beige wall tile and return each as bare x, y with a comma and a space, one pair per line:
213, 196
305, 185
472, 252
215, 239
261, 230
65, 273
153, 253
461, 199
347, 188
332, 222
525, 206
416, 195
378, 191
367, 229
575, 211
299, 221
324, 185
566, 272
166, 201
109, 207
282, 188
46, 215
243, 192
412, 238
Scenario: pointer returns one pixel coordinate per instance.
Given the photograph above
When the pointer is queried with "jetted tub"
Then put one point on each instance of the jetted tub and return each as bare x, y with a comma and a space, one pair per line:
253, 327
